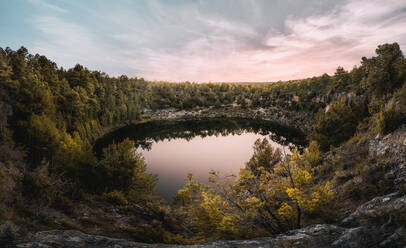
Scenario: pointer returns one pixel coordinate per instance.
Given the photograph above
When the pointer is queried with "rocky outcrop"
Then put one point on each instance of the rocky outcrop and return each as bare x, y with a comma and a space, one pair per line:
392, 145
377, 223
298, 119
312, 236
379, 207
392, 148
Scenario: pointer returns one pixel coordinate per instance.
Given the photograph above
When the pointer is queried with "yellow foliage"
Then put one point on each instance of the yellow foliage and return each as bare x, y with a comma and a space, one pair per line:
286, 211
259, 202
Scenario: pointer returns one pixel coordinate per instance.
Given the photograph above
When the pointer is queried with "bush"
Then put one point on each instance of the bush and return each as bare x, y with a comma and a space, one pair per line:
64, 203
115, 197
123, 169
389, 119
42, 186
335, 126
8, 231
146, 116
376, 105
1, 191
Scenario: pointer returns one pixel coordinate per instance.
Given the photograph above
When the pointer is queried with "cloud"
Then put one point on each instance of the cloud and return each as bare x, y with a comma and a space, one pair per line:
246, 41
69, 44
341, 37
44, 3
307, 46
66, 41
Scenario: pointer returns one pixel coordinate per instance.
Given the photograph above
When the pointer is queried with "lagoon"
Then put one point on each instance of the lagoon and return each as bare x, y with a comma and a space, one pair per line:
172, 149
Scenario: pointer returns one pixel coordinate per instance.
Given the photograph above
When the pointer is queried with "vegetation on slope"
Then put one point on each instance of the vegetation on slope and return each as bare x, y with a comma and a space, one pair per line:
274, 193
50, 116
269, 196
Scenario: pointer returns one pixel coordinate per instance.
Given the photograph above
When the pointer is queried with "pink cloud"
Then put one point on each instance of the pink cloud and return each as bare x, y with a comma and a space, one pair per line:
183, 43
308, 47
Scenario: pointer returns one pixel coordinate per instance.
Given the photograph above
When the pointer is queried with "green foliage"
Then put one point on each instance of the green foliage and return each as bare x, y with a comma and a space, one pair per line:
56, 113
393, 115
264, 156
64, 203
75, 159
1, 179
376, 105
389, 119
145, 116
385, 72
115, 197
8, 231
42, 187
357, 174
341, 80
44, 137
312, 155
123, 169
336, 125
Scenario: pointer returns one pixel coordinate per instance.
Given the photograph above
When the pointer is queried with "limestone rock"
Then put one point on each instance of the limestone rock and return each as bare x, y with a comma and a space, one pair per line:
311, 236
378, 207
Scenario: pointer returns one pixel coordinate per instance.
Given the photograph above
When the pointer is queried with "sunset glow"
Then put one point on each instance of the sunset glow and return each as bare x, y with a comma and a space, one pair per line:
219, 41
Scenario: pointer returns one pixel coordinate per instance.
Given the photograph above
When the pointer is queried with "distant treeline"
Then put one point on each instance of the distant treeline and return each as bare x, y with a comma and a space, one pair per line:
145, 133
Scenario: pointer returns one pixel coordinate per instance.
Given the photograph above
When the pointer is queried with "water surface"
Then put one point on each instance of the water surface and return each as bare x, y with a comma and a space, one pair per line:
172, 149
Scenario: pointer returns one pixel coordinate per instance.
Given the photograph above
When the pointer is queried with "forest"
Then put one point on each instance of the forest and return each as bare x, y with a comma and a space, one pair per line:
50, 118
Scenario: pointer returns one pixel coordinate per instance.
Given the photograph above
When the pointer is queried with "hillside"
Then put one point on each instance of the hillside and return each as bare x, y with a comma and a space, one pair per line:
351, 179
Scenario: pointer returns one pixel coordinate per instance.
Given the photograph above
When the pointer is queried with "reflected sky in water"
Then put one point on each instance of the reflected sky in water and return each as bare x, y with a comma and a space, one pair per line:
172, 149
172, 159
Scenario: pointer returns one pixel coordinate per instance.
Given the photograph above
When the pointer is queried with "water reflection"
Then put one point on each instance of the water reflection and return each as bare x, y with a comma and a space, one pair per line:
174, 148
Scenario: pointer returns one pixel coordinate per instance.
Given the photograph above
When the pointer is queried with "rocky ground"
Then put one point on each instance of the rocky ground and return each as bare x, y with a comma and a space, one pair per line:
377, 223
392, 147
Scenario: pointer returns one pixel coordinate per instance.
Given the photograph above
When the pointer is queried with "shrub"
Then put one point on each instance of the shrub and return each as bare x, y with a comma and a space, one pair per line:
389, 119
8, 231
360, 179
335, 126
64, 203
42, 186
123, 169
115, 197
1, 179
146, 116
376, 105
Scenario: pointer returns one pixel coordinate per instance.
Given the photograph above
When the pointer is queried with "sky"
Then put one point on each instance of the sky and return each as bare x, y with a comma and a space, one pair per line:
204, 40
